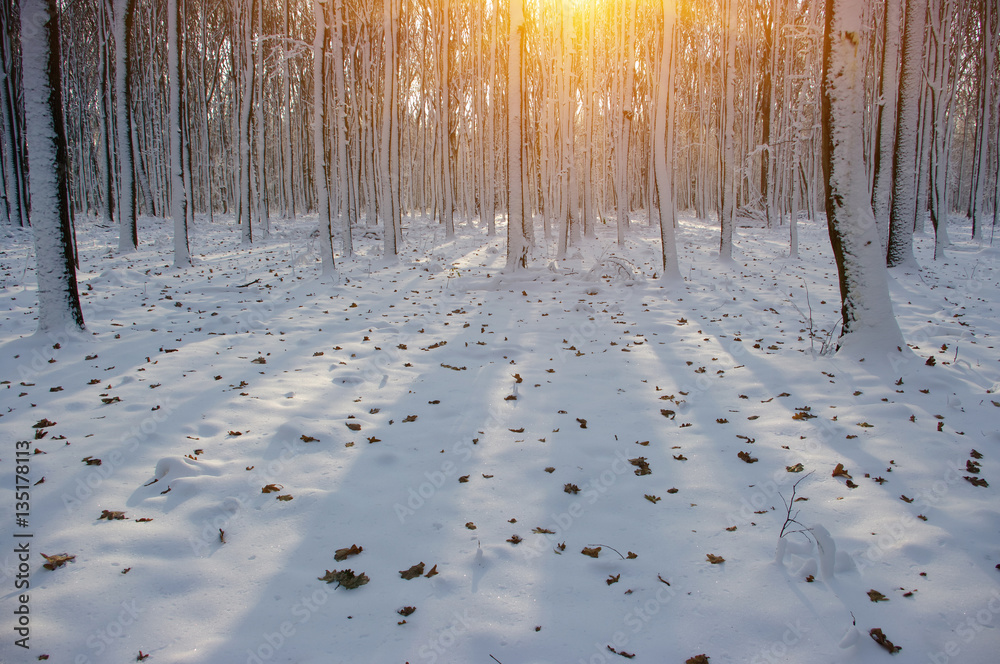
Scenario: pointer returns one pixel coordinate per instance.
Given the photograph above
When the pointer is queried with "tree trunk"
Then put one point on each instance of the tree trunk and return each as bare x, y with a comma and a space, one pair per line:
517, 245
178, 200
905, 174
869, 326
320, 166
128, 236
663, 139
48, 160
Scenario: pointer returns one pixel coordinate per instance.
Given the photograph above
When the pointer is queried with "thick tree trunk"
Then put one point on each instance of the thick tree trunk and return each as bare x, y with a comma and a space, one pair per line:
869, 325
663, 138
58, 300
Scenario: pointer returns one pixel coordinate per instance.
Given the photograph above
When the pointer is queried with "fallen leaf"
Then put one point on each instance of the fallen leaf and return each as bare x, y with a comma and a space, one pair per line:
410, 418
592, 552
746, 457
406, 610
463, 479
353, 426
308, 439
433, 572
58, 560
111, 515
413, 572
612, 578
271, 488
880, 638
571, 488
642, 466
346, 578
514, 539
840, 471
876, 596
653, 499
697, 659
286, 497
797, 468
543, 531
714, 559
976, 481
91, 461
342, 554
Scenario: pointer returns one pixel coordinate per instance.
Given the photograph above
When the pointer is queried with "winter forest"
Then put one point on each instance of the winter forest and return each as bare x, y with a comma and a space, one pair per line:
523, 331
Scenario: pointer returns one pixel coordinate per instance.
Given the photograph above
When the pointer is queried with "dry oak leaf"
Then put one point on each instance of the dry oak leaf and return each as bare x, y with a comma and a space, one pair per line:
714, 559
406, 610
58, 560
514, 539
111, 515
342, 554
346, 578
976, 481
353, 426
410, 418
433, 572
42, 424
651, 498
271, 488
876, 596
746, 457
543, 531
642, 466
308, 439
797, 468
612, 578
592, 552
840, 471
286, 497
91, 461
697, 659
571, 488
413, 572
879, 638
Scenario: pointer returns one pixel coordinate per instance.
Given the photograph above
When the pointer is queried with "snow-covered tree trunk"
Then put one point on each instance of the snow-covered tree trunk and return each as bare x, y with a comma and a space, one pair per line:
288, 190
448, 213
868, 321
903, 210
517, 244
345, 209
388, 147
727, 207
263, 213
989, 17
128, 237
320, 167
178, 197
14, 172
48, 161
942, 92
663, 138
888, 82
568, 213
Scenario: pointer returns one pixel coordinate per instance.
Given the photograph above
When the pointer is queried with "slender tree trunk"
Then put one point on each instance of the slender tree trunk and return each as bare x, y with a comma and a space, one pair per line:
388, 129
888, 86
663, 139
320, 166
905, 173
58, 300
345, 208
517, 244
128, 236
727, 208
178, 201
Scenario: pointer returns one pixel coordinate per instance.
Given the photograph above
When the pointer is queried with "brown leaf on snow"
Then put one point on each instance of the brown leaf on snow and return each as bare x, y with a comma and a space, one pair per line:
976, 481
433, 572
697, 659
353, 426
111, 515
410, 418
840, 471
543, 531
571, 488
406, 610
308, 439
880, 638
342, 554
642, 466
346, 578
285, 498
91, 461
714, 559
746, 457
797, 468
58, 560
514, 539
413, 572
653, 499
876, 596
592, 552
271, 488
612, 578
43, 424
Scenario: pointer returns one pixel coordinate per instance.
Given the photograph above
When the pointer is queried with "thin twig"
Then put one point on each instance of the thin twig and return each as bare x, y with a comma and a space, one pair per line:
496, 660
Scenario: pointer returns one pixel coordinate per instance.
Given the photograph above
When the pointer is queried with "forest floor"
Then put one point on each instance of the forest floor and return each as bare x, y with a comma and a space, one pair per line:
573, 463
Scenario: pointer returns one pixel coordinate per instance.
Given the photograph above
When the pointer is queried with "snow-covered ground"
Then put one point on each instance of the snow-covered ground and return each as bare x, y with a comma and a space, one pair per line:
435, 410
